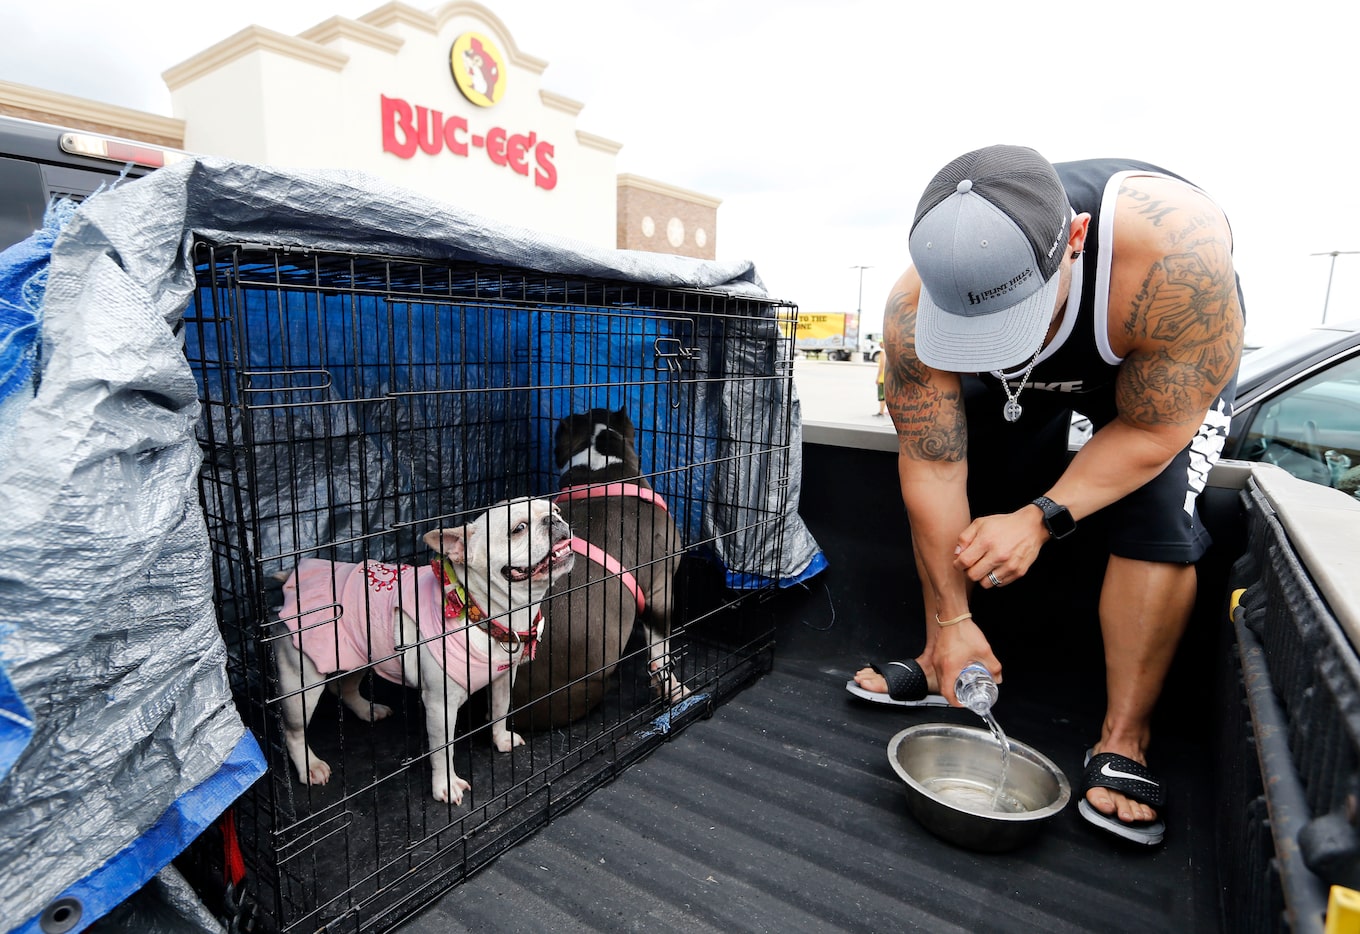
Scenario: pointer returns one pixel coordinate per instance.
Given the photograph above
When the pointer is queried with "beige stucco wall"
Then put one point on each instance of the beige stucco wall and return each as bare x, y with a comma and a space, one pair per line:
316, 101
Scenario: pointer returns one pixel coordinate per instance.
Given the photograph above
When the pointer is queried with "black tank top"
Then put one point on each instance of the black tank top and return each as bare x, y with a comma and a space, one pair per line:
1078, 368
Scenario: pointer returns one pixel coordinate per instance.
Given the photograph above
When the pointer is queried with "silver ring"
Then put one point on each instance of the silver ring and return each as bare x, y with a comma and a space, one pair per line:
991, 576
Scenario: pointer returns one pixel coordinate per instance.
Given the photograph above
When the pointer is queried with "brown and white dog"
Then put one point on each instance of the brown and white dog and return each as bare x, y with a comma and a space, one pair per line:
449, 629
631, 550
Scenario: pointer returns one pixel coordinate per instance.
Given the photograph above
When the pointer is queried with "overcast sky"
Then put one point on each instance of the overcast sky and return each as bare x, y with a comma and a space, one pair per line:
817, 123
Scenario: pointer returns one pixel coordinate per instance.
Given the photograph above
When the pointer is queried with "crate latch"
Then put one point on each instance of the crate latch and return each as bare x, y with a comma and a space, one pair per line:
671, 355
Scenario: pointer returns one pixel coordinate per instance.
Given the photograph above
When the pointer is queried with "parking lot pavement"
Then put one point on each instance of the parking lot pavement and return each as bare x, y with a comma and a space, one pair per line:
834, 393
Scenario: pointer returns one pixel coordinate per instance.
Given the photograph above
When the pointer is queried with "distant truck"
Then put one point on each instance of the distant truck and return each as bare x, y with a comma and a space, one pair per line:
871, 347
834, 333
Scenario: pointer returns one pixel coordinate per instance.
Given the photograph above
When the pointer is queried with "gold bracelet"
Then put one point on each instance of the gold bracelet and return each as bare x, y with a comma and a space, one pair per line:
950, 622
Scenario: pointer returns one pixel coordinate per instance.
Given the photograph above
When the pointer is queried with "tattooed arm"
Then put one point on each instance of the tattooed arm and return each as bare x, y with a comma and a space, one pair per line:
927, 410
1177, 323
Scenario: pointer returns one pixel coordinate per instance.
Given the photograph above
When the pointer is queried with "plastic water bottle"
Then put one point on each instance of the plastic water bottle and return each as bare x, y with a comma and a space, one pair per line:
975, 689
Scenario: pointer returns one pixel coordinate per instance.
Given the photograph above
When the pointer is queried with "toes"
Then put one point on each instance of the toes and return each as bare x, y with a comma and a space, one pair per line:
507, 741
871, 680
450, 792
1116, 805
1102, 801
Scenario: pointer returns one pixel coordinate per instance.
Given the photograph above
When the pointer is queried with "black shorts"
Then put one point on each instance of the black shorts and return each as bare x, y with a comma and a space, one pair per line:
1009, 464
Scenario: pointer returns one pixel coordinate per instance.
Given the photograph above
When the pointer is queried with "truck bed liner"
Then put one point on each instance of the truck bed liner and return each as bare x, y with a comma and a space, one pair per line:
782, 813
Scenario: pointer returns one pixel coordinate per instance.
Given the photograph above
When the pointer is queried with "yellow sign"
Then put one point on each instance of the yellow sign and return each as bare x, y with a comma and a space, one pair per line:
478, 68
821, 327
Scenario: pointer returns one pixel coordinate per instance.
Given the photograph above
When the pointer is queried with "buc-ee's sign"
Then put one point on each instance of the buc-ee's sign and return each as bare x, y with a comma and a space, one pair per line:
478, 69
406, 129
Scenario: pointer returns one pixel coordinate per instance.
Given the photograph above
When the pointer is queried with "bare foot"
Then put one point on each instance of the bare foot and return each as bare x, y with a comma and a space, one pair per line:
871, 680
1113, 804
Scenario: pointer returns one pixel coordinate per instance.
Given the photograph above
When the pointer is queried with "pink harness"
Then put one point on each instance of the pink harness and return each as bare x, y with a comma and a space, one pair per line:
595, 552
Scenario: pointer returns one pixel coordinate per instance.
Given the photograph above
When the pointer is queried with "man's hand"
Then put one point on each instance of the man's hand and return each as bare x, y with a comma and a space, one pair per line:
1003, 546
954, 648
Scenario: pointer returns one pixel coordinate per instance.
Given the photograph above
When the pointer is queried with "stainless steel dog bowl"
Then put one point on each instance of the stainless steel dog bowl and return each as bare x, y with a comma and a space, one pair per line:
951, 773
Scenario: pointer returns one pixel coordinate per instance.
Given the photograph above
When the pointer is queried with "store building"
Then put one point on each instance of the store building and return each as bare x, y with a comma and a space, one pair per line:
443, 102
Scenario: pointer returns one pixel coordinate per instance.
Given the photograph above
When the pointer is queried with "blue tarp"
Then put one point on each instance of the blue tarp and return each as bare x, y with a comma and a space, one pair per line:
745, 508
323, 427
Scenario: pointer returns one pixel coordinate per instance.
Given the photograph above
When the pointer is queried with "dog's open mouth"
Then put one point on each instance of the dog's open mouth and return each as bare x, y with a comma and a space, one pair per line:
560, 553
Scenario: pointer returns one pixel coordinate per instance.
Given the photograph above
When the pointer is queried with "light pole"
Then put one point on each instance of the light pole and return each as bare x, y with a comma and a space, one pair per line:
860, 301
1333, 254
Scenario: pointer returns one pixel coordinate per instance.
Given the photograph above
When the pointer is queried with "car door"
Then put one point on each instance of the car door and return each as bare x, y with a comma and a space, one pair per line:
1309, 426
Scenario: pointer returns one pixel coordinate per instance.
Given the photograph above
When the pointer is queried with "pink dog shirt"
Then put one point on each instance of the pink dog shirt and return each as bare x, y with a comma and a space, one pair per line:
341, 616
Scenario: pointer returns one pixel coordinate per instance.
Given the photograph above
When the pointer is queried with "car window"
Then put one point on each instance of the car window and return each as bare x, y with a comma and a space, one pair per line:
1312, 429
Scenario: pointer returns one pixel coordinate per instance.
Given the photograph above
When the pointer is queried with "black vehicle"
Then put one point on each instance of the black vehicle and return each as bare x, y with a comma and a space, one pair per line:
1298, 406
40, 162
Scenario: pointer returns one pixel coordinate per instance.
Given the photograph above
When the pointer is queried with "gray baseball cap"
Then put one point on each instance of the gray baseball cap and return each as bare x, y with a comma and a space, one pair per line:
988, 239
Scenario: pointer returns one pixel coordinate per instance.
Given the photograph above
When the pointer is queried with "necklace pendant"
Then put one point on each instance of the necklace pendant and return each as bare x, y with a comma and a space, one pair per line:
1012, 411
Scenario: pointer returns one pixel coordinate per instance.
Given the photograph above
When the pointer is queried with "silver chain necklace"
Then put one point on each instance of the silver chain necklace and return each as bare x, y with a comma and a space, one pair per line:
1011, 411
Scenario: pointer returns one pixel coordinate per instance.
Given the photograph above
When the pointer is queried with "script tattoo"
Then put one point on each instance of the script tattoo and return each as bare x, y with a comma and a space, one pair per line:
1188, 326
929, 420
1154, 209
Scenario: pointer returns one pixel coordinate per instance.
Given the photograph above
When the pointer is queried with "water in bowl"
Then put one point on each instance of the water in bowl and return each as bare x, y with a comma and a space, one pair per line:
973, 797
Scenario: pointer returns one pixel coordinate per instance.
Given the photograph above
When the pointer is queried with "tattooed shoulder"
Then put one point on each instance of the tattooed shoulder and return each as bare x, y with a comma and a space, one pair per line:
1185, 323
926, 405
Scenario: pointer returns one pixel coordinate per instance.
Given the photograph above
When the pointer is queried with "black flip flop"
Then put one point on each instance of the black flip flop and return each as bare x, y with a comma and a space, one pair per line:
1132, 780
907, 687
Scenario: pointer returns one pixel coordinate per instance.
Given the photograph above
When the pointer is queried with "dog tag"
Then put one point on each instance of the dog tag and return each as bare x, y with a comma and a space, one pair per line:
1012, 411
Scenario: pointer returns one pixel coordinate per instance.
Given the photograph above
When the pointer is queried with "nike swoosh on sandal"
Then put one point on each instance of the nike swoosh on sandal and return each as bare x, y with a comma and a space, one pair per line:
1116, 773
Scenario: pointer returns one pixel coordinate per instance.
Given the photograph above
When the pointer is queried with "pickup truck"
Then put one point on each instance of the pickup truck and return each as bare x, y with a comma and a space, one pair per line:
40, 162
780, 811
769, 803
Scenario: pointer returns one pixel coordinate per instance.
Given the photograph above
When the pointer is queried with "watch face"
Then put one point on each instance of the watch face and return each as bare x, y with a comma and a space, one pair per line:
1060, 522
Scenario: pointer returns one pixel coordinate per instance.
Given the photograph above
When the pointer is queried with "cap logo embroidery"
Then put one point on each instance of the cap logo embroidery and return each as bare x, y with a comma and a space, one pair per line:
977, 298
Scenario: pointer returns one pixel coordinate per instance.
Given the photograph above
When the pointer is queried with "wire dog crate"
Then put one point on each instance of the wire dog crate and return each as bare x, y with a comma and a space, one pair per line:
353, 402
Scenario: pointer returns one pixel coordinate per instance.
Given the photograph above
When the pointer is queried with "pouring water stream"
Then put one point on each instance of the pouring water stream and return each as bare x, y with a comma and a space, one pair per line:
977, 691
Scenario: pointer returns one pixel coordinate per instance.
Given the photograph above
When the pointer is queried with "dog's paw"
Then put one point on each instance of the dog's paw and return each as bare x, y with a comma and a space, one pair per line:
363, 708
507, 741
318, 772
375, 712
667, 686
450, 792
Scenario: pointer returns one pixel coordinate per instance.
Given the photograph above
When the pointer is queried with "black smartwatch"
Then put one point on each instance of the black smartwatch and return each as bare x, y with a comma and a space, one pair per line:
1057, 519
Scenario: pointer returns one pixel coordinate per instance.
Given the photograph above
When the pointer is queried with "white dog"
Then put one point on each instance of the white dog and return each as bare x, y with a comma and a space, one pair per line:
447, 630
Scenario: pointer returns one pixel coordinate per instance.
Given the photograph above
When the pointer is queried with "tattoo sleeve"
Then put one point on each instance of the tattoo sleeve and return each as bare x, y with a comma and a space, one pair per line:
926, 407
1187, 323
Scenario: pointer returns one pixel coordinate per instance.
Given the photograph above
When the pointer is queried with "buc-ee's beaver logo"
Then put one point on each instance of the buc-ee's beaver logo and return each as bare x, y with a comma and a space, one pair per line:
478, 68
